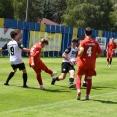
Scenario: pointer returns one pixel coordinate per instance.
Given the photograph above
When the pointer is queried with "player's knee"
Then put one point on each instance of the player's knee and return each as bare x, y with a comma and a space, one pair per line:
24, 71
89, 77
15, 70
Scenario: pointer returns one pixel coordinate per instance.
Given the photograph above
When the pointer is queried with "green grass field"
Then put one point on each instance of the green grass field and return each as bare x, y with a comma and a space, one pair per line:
57, 100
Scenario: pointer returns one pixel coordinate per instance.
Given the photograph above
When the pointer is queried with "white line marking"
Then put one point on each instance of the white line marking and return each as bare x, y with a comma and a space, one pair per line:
51, 104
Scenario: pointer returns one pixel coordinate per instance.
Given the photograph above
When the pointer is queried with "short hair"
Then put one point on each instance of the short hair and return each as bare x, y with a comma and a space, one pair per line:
74, 40
112, 38
44, 41
13, 34
88, 31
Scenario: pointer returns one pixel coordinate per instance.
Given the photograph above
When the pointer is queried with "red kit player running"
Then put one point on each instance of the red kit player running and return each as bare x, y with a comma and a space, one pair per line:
89, 50
36, 63
111, 46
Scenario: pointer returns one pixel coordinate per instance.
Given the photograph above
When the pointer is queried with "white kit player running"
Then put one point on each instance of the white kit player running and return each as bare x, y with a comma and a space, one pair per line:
15, 49
68, 63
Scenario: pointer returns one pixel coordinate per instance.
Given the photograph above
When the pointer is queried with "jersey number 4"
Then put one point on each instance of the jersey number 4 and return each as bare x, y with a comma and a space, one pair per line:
12, 50
89, 51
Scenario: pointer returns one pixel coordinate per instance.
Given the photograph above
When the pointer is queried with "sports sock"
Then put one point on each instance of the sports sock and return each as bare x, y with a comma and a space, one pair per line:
39, 79
71, 80
78, 82
110, 61
10, 76
89, 86
57, 78
24, 79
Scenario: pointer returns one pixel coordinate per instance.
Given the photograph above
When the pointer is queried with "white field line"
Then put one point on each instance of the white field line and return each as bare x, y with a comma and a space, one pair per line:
50, 104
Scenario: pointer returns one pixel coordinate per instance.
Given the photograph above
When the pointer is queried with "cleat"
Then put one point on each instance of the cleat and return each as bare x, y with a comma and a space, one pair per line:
84, 84
53, 81
87, 97
25, 86
6, 83
72, 85
54, 73
42, 87
79, 96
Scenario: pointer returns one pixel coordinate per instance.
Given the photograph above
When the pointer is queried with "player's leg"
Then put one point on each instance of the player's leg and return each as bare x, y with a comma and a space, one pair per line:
61, 77
90, 73
111, 57
89, 86
24, 75
78, 86
46, 69
39, 78
64, 70
107, 56
81, 71
85, 81
11, 74
71, 79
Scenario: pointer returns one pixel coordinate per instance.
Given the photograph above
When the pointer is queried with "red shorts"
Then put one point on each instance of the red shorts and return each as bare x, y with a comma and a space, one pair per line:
110, 55
86, 71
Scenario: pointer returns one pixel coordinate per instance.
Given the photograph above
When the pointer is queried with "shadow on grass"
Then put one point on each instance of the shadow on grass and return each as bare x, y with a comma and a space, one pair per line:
73, 88
106, 101
48, 90
100, 88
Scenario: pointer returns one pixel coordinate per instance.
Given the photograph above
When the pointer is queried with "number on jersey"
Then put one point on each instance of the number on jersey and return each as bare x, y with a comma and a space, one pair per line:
89, 51
12, 51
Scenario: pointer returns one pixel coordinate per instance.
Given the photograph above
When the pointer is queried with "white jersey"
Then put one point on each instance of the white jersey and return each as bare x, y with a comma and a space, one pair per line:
71, 53
15, 50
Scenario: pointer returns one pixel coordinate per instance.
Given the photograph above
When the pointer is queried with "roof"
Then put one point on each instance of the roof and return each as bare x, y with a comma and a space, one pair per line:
47, 21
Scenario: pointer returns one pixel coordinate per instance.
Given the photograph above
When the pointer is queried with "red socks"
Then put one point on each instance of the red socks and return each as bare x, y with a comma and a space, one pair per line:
78, 82
39, 79
89, 86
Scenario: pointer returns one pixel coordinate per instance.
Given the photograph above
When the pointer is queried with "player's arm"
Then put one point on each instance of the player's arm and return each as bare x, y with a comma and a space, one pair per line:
65, 56
65, 53
23, 48
114, 47
26, 49
4, 47
99, 51
98, 55
32, 62
80, 52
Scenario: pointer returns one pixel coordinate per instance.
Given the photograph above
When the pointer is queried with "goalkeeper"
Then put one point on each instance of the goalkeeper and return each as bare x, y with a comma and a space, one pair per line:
67, 65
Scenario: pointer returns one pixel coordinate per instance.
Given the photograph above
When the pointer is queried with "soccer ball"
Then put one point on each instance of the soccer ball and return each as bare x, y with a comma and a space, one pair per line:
73, 61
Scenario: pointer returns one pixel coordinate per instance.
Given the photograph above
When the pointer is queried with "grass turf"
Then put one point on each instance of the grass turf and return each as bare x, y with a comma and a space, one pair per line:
57, 100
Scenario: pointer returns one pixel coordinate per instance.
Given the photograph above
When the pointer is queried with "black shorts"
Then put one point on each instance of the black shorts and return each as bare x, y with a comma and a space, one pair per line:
66, 67
21, 66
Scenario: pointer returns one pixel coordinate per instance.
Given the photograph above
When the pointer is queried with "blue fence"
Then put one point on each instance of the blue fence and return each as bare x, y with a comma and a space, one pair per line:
67, 32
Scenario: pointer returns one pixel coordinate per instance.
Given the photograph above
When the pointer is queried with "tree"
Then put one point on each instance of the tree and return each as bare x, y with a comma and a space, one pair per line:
57, 9
6, 9
35, 9
87, 13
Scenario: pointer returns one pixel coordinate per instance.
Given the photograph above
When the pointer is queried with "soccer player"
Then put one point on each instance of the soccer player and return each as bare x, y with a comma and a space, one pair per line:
111, 46
15, 48
67, 65
89, 50
36, 63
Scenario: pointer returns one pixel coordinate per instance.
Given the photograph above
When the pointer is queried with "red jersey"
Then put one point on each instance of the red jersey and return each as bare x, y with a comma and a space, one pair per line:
88, 59
110, 47
35, 52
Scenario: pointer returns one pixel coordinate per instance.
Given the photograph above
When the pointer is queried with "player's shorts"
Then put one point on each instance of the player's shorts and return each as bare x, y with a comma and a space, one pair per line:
86, 71
66, 67
21, 66
110, 55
